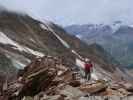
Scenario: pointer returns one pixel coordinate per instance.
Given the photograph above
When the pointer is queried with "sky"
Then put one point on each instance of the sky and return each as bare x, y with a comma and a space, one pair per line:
67, 12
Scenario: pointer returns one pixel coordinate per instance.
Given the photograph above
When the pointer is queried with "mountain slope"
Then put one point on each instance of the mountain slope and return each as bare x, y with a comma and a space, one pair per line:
24, 39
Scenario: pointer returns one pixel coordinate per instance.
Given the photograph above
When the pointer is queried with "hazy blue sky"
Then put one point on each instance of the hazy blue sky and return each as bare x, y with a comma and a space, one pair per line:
67, 12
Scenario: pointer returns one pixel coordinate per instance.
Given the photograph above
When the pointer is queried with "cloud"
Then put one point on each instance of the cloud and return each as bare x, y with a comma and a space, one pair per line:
67, 12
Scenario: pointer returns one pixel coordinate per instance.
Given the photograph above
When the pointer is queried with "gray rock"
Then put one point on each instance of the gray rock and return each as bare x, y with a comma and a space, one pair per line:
71, 92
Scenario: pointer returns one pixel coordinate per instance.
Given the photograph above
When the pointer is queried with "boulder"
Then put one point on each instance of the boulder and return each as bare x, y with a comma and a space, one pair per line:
94, 88
71, 92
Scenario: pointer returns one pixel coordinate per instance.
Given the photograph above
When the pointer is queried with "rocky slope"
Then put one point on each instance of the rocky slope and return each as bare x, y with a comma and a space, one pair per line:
48, 79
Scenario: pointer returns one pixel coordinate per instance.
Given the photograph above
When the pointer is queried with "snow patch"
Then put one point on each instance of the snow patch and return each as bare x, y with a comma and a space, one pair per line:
28, 50
94, 76
18, 64
79, 36
115, 27
32, 40
58, 37
15, 62
5, 40
79, 63
43, 27
62, 41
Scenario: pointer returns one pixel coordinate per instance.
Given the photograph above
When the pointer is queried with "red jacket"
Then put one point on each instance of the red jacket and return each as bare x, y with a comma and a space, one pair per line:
88, 67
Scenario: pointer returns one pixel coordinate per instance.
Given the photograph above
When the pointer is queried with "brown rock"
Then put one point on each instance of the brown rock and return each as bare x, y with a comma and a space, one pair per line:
93, 88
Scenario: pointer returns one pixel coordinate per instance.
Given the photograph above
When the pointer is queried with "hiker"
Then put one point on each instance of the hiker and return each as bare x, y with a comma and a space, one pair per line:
88, 67
85, 67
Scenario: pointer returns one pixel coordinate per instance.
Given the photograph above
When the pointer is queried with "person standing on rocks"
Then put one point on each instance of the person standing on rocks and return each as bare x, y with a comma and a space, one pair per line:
88, 67
85, 67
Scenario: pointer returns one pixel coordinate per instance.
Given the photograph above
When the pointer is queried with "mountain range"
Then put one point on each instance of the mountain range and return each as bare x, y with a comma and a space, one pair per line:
115, 38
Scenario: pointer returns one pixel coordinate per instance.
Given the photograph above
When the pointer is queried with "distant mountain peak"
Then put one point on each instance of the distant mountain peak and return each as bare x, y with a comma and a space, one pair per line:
118, 22
115, 37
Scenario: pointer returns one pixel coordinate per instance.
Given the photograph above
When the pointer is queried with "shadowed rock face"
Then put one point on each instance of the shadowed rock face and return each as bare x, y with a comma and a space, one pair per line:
40, 75
7, 69
2, 80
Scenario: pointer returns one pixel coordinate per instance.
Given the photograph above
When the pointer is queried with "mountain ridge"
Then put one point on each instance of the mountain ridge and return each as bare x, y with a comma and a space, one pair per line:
115, 39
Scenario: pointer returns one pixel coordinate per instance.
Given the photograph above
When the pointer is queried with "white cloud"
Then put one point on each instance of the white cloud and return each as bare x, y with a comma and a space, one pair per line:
75, 11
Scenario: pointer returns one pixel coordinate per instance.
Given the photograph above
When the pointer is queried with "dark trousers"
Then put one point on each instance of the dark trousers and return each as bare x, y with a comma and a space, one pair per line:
88, 75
